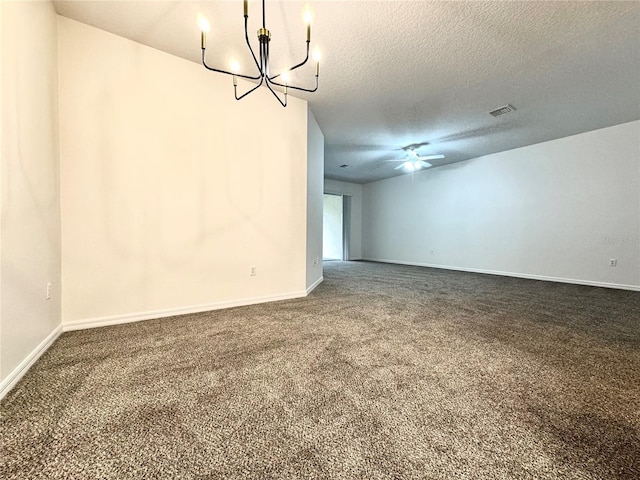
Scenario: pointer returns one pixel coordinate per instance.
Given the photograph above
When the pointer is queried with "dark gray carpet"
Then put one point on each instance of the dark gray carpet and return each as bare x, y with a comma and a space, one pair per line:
382, 372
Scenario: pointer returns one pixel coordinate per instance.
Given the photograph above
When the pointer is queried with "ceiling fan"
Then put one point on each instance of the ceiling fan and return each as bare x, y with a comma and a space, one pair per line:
413, 161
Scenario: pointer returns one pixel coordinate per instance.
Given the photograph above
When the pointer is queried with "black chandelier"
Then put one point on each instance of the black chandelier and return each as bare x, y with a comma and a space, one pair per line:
264, 74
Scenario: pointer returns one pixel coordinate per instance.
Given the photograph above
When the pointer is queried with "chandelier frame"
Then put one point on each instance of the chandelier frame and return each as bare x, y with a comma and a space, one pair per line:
263, 76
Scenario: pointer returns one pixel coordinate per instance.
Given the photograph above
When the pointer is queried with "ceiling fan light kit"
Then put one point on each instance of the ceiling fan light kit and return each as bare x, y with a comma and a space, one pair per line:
413, 165
414, 162
263, 76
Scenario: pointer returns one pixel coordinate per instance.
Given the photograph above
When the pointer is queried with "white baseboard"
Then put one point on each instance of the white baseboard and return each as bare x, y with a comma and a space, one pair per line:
14, 377
314, 285
171, 312
590, 283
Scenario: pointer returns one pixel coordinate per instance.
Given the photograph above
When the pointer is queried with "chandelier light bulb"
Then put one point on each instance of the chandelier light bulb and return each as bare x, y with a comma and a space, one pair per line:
203, 23
285, 77
308, 17
234, 65
317, 55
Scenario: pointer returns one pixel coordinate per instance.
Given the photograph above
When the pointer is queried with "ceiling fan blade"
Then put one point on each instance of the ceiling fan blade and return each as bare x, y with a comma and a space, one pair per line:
403, 160
431, 157
424, 164
399, 166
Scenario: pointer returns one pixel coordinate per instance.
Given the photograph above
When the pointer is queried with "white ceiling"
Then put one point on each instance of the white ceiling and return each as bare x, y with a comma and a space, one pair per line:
396, 73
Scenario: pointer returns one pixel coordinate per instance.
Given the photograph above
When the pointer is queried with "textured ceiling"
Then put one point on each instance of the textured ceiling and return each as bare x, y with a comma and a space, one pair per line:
396, 73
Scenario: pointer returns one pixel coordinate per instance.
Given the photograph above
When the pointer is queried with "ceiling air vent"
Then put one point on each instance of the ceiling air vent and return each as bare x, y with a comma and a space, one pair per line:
503, 110
345, 166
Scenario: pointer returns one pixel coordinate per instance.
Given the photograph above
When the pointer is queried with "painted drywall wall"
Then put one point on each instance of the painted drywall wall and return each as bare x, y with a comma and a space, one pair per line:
560, 210
315, 185
30, 235
171, 190
355, 191
332, 237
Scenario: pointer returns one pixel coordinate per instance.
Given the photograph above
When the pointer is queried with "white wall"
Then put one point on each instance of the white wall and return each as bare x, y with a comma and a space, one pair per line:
315, 185
171, 189
355, 191
558, 210
30, 235
332, 222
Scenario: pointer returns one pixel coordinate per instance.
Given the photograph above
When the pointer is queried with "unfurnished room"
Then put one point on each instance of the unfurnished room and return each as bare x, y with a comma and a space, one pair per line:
276, 239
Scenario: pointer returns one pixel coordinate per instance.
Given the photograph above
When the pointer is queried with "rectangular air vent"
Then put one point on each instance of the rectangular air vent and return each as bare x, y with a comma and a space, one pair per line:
503, 110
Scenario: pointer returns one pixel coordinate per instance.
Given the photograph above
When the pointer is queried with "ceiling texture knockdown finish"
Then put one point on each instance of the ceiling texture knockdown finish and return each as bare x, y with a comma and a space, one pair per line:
424, 73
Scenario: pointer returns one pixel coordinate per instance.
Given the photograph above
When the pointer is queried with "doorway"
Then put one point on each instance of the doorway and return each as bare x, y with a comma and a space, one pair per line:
336, 226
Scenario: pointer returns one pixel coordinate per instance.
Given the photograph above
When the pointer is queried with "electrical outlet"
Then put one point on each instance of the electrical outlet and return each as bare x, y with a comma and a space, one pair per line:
613, 262
49, 287
253, 271
316, 261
